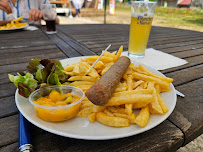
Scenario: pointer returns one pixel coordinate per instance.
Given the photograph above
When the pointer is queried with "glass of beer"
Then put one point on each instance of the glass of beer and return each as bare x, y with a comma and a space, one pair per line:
49, 15
142, 13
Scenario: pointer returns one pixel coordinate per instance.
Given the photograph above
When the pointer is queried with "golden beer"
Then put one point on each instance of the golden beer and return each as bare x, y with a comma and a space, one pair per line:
140, 27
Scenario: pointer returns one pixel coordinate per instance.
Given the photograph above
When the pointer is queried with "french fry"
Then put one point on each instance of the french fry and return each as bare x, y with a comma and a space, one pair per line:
108, 54
128, 108
86, 101
129, 83
141, 72
143, 117
139, 105
129, 71
142, 85
121, 87
85, 112
112, 121
144, 69
98, 108
84, 87
116, 109
154, 107
69, 68
122, 115
136, 84
118, 53
86, 105
145, 85
130, 117
109, 64
92, 117
135, 98
76, 69
107, 67
82, 78
99, 65
139, 88
79, 83
93, 73
83, 69
164, 85
104, 59
150, 85
133, 92
107, 112
125, 76
69, 73
18, 19
135, 68
114, 52
161, 102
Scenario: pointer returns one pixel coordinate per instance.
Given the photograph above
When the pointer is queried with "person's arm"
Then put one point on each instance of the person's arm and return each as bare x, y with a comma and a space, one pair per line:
5, 6
35, 15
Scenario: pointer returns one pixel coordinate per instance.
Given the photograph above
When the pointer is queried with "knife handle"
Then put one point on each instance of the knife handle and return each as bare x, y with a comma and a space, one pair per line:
24, 139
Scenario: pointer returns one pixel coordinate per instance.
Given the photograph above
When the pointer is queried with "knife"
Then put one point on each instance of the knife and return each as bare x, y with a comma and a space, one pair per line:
24, 139
180, 94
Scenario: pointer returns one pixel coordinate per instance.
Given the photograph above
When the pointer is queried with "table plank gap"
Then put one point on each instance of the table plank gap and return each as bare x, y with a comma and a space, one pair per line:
192, 61
75, 45
66, 49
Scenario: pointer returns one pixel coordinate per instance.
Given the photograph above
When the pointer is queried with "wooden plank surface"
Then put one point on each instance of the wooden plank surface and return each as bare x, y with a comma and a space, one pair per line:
77, 40
188, 112
139, 143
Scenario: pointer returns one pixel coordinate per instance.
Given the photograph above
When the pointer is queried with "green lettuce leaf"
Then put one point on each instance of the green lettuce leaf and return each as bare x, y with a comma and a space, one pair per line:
43, 72
41, 75
54, 80
26, 84
33, 65
24, 90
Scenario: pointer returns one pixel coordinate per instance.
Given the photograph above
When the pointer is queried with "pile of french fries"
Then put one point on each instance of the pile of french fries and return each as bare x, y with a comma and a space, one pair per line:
139, 89
15, 23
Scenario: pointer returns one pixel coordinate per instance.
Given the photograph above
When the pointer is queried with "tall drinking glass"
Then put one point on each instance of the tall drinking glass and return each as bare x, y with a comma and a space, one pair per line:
49, 15
142, 13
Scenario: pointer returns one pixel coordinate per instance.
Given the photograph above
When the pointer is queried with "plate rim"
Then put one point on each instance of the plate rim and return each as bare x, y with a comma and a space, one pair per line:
97, 137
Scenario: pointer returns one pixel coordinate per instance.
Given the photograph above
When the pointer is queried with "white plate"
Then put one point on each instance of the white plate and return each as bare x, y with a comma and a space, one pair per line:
18, 28
81, 128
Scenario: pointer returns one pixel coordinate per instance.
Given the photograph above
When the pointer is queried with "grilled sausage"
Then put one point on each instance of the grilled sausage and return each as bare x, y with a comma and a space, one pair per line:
102, 90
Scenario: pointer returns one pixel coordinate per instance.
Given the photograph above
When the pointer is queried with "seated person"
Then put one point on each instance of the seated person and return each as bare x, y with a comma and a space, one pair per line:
29, 9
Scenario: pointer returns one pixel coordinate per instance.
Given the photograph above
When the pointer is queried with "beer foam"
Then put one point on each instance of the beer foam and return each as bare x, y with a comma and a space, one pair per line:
142, 14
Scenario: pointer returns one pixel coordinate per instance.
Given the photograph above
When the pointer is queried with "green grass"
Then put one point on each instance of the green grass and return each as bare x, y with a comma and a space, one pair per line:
189, 16
183, 18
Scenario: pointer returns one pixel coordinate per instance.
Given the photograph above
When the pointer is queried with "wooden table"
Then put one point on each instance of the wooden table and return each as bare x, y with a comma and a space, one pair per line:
183, 125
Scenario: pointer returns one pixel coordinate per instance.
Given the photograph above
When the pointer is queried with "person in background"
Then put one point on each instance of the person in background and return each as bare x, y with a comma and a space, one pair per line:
29, 9
78, 4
